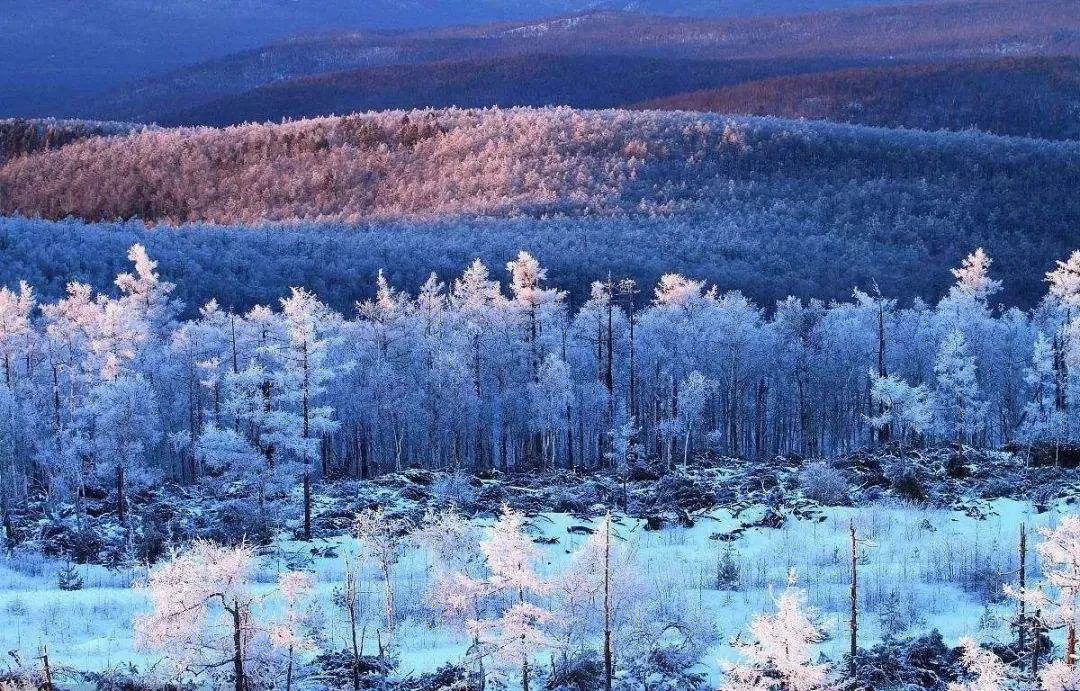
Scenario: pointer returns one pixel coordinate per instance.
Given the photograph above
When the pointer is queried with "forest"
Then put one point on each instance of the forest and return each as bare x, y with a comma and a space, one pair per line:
483, 375
771, 207
493, 392
242, 436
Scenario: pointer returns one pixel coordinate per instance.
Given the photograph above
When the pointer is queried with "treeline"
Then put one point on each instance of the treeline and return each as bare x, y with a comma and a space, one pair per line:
479, 375
19, 137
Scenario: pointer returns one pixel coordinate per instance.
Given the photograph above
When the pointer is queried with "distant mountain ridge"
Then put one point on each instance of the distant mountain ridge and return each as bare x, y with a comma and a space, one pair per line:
1037, 97
296, 77
57, 52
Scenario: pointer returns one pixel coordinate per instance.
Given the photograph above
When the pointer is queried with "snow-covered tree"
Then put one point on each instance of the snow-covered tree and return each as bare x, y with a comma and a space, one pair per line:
518, 631
694, 392
382, 539
123, 426
1058, 676
15, 329
295, 631
1056, 599
597, 593
958, 411
780, 656
1043, 419
903, 408
201, 618
1064, 281
298, 426
985, 670
973, 276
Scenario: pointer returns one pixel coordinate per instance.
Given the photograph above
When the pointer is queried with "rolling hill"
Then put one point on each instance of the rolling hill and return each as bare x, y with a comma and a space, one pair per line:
768, 204
1012, 96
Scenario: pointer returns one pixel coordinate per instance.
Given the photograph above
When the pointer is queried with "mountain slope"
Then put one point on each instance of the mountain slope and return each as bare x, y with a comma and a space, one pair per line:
939, 30
586, 81
1013, 96
78, 48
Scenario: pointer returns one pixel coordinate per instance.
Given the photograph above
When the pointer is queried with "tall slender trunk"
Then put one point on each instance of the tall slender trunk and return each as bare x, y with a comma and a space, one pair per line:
1070, 645
1021, 618
239, 681
854, 624
607, 604
120, 501
307, 500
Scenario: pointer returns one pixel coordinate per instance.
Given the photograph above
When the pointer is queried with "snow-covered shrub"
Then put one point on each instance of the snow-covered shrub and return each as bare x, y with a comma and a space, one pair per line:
920, 662
907, 479
455, 489
335, 670
824, 483
446, 678
573, 671
662, 669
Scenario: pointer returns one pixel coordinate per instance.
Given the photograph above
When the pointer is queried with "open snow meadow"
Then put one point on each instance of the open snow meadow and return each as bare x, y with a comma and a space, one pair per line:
919, 569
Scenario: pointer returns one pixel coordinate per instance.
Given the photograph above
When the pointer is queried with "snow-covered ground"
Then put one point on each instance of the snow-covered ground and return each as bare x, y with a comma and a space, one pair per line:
929, 567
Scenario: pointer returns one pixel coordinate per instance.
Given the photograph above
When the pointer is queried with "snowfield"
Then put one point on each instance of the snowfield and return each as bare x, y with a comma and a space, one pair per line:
920, 569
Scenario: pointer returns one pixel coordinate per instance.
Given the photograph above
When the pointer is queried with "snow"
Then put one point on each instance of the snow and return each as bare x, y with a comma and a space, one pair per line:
931, 557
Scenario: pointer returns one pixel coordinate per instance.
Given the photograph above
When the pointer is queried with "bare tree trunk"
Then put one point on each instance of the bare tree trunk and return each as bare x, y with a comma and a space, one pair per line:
854, 624
355, 650
1070, 645
607, 604
48, 669
1037, 647
239, 682
307, 500
1021, 618
120, 513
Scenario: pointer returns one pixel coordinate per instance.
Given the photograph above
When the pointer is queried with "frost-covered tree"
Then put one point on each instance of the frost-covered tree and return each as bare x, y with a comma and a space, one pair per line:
958, 410
123, 426
694, 392
1043, 419
15, 330
902, 408
595, 594
295, 630
302, 419
518, 631
779, 657
201, 617
382, 539
973, 276
1056, 599
986, 671
1058, 676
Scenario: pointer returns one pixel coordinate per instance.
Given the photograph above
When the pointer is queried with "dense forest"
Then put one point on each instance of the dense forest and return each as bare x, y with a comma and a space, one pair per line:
479, 375
755, 204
